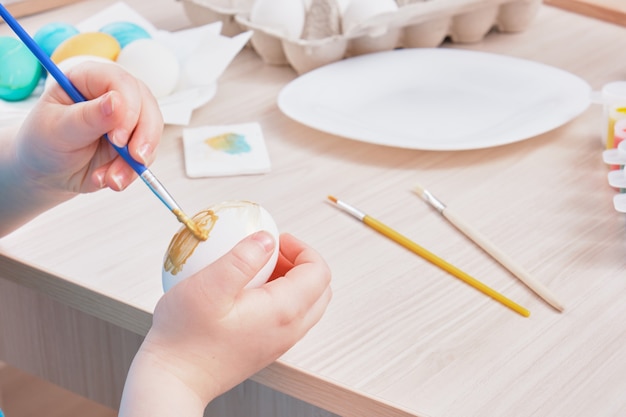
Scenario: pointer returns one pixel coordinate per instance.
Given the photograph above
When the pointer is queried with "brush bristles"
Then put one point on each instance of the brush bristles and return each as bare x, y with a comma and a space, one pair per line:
429, 198
419, 190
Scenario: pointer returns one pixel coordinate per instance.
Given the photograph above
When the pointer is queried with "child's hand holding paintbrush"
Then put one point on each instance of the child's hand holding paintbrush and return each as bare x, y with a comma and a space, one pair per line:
59, 151
193, 351
127, 132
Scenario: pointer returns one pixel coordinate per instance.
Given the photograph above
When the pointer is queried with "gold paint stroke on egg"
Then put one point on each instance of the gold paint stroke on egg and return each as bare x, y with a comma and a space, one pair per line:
198, 232
184, 242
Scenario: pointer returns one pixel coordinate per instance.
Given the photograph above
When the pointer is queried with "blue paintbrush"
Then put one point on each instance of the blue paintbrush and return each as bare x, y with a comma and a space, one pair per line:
148, 177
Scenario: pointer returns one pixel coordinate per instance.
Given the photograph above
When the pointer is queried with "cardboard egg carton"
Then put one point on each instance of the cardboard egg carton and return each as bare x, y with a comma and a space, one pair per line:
421, 24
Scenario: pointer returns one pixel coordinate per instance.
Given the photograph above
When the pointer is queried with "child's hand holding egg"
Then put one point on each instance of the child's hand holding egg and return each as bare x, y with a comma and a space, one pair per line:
227, 224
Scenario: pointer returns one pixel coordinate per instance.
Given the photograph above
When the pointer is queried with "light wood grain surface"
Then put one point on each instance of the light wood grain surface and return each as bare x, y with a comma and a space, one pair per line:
401, 337
25, 395
613, 11
26, 7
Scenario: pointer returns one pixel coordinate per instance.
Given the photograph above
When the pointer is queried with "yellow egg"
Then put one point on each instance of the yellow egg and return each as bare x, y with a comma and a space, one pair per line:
88, 43
226, 223
71, 62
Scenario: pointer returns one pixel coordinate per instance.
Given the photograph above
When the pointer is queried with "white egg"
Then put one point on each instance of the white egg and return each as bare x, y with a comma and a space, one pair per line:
283, 16
227, 223
70, 62
153, 63
343, 4
244, 5
358, 11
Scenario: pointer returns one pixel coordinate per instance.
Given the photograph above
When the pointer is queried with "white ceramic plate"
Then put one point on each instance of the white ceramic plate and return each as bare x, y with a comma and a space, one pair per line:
435, 99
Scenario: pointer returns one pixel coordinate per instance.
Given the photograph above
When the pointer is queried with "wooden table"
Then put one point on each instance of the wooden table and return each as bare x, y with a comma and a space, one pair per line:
401, 337
613, 11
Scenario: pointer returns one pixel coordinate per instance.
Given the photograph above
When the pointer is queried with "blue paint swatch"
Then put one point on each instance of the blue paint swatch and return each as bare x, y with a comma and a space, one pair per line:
232, 143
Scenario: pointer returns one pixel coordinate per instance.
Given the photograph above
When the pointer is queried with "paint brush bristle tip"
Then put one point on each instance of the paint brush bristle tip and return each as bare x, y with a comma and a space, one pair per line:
419, 190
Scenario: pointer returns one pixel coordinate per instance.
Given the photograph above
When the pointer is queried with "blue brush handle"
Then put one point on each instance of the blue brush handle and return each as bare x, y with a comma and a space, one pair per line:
63, 81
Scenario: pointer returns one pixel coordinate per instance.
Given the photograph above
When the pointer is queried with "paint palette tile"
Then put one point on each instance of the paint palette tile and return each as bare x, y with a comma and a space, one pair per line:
214, 151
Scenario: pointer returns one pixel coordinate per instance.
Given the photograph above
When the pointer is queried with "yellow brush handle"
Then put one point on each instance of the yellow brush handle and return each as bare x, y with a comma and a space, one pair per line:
434, 259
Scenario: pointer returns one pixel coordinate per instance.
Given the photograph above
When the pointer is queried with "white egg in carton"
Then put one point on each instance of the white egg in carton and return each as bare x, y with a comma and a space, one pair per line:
366, 25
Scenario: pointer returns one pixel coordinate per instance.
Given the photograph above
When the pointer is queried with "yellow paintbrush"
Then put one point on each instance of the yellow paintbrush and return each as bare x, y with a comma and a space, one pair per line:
429, 256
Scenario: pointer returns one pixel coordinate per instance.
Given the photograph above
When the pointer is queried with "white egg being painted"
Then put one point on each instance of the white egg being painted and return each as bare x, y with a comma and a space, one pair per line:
227, 223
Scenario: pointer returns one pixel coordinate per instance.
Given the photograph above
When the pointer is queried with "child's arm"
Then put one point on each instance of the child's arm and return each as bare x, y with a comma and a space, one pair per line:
210, 333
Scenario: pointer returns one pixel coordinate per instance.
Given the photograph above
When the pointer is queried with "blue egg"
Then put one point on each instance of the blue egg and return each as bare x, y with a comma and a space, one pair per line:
20, 71
125, 32
53, 34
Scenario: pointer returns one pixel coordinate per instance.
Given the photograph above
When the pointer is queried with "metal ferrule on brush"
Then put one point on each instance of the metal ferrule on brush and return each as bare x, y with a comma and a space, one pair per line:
159, 190
432, 200
352, 210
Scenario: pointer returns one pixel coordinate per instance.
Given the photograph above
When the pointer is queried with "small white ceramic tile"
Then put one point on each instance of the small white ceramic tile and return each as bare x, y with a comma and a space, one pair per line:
213, 151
